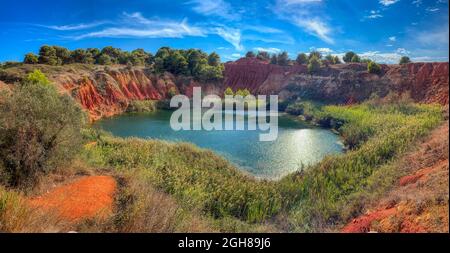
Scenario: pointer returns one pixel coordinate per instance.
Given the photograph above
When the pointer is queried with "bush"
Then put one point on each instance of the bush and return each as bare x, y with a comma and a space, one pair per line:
404, 60
39, 130
302, 58
373, 68
228, 91
31, 58
348, 56
313, 65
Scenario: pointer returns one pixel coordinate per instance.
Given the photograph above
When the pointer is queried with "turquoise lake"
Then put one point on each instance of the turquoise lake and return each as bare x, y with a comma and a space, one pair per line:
298, 144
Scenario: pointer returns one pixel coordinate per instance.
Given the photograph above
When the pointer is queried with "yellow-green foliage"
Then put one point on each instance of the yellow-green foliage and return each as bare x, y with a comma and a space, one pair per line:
142, 106
318, 196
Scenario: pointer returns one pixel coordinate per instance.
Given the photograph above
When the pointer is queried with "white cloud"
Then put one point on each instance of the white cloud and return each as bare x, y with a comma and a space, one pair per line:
74, 27
432, 9
322, 50
417, 3
315, 27
374, 14
218, 8
304, 14
151, 29
392, 38
271, 50
389, 58
402, 51
388, 2
293, 2
233, 36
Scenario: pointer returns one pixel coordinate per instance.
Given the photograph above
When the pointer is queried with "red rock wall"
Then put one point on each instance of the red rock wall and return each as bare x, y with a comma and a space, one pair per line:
106, 93
426, 82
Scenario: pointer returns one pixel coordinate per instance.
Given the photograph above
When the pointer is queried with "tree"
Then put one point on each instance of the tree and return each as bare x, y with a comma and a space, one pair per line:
404, 60
176, 63
263, 56
228, 92
250, 54
336, 60
39, 137
373, 68
47, 55
316, 54
210, 73
314, 65
81, 56
356, 58
104, 59
62, 54
302, 58
139, 57
348, 56
274, 59
283, 59
31, 58
113, 53
213, 59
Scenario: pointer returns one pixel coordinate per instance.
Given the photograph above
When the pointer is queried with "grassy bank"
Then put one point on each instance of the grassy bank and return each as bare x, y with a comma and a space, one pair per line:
331, 192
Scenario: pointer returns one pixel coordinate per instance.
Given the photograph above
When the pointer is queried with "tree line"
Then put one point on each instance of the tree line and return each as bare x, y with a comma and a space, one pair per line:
191, 62
315, 60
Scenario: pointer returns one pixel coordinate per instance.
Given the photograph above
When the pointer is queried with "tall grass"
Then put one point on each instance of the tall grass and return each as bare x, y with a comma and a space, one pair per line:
195, 177
378, 135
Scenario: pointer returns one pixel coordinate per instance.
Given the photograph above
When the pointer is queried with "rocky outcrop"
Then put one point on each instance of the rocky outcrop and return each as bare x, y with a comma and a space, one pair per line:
342, 83
106, 93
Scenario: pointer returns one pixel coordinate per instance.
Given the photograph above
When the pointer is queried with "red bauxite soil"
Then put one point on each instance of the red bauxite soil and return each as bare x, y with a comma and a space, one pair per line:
87, 197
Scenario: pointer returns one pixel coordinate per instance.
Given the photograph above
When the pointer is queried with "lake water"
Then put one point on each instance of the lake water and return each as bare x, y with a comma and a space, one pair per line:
297, 143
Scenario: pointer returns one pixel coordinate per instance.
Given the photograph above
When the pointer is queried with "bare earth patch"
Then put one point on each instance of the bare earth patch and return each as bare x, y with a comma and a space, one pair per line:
86, 197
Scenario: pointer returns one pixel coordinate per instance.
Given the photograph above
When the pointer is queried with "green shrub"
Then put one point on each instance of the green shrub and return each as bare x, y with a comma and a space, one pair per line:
313, 65
373, 68
39, 130
142, 106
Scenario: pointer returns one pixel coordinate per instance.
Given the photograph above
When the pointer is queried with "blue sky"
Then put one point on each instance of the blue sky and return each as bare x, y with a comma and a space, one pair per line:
382, 30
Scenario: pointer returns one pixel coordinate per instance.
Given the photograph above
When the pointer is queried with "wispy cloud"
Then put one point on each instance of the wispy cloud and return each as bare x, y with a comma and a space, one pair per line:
374, 14
233, 36
388, 2
392, 38
219, 8
151, 29
302, 14
432, 9
74, 27
417, 3
271, 50
316, 27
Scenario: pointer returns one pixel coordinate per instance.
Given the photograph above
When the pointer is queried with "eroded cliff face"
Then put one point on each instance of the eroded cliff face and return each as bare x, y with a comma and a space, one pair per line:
343, 83
106, 93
